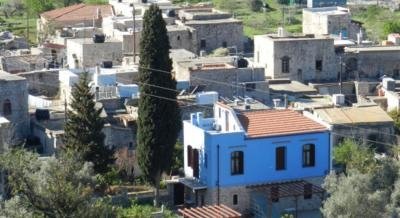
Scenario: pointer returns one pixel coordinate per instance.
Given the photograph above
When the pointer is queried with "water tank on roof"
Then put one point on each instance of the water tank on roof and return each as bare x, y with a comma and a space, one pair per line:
338, 99
171, 13
203, 98
107, 64
389, 84
99, 38
242, 63
42, 114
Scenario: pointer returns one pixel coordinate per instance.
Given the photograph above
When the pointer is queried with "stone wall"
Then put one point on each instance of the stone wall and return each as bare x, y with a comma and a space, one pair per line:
119, 136
183, 38
90, 54
218, 34
302, 55
42, 82
373, 64
16, 92
229, 81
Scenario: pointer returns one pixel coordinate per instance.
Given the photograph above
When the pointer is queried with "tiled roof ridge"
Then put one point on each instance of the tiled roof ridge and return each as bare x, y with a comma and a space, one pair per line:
68, 10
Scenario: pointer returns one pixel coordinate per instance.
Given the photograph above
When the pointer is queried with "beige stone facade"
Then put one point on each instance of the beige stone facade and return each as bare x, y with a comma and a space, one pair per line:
300, 58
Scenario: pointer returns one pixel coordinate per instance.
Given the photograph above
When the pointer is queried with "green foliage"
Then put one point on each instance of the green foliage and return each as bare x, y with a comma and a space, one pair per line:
38, 6
391, 27
353, 196
255, 5
354, 156
159, 116
83, 128
177, 156
395, 115
96, 2
50, 187
140, 211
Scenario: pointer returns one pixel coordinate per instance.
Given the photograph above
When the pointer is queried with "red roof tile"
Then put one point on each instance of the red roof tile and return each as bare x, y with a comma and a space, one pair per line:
77, 12
264, 123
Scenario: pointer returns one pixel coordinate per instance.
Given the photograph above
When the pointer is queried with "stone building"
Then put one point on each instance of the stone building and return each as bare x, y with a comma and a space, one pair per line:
331, 20
81, 15
372, 62
14, 106
86, 53
214, 28
22, 63
368, 124
302, 58
222, 74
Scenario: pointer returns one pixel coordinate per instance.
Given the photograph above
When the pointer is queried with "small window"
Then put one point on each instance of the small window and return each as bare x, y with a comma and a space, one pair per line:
280, 158
224, 44
308, 155
235, 199
178, 38
7, 107
190, 156
285, 64
308, 191
396, 73
250, 87
237, 163
130, 145
205, 160
274, 194
203, 44
318, 65
219, 112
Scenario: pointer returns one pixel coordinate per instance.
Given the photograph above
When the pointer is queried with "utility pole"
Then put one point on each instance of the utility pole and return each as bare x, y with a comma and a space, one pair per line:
340, 74
134, 33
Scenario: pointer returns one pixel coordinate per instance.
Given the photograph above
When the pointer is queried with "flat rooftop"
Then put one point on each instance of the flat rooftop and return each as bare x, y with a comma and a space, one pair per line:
214, 21
200, 61
87, 41
275, 37
372, 49
10, 77
354, 115
291, 87
328, 10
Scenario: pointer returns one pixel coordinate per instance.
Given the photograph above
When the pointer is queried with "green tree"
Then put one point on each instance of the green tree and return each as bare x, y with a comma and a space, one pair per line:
50, 187
11, 7
159, 116
83, 128
391, 27
354, 156
255, 5
353, 195
96, 2
395, 115
38, 6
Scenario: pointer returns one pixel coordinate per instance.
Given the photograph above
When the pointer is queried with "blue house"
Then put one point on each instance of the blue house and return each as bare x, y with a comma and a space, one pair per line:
255, 161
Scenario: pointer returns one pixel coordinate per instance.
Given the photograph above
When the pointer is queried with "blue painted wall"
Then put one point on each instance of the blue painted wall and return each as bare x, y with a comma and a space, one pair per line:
259, 158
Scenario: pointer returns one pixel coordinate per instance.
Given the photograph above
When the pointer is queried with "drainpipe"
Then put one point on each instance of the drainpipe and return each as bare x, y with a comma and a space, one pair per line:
218, 191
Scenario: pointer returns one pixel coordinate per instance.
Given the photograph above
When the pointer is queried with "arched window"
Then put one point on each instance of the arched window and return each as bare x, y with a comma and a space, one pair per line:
237, 163
7, 107
285, 64
308, 155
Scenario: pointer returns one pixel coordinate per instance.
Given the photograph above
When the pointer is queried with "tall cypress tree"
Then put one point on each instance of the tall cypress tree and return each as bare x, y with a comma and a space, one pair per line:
159, 120
83, 128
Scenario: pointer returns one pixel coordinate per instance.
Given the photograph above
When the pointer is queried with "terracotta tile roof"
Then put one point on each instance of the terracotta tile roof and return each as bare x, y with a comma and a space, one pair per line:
264, 123
220, 211
77, 12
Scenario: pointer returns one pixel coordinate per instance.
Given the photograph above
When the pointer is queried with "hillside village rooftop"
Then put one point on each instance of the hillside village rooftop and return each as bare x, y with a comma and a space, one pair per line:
328, 10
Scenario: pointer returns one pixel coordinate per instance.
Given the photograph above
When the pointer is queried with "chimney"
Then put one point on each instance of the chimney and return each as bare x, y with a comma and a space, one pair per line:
285, 102
193, 119
277, 102
199, 118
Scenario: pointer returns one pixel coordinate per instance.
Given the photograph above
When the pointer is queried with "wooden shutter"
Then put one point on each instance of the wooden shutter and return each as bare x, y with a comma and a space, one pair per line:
280, 158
